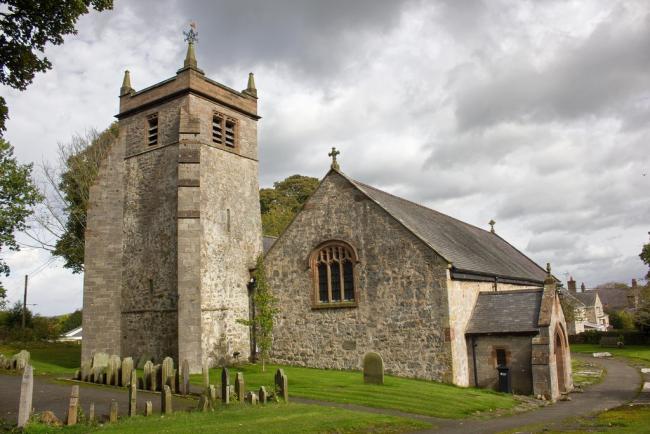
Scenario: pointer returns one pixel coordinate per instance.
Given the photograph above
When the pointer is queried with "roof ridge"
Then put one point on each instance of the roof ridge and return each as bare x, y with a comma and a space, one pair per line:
511, 291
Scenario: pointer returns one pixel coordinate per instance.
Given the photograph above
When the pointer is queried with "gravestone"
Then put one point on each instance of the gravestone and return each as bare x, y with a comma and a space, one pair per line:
73, 406
251, 398
185, 378
77, 375
100, 360
175, 381
114, 363
142, 360
212, 393
281, 385
166, 400
206, 375
148, 408
148, 374
91, 413
85, 371
156, 378
133, 393
225, 386
113, 414
167, 372
240, 387
373, 369
125, 374
262, 395
21, 359
204, 402
26, 391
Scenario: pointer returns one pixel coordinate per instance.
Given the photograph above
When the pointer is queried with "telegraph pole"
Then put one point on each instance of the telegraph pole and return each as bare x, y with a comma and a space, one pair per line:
25, 301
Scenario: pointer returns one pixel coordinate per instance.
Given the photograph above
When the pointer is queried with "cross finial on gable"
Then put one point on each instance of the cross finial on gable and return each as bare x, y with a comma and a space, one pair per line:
333, 154
191, 35
492, 223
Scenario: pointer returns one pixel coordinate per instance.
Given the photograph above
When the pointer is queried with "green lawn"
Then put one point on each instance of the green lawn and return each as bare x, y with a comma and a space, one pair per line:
580, 368
413, 396
635, 352
49, 358
275, 418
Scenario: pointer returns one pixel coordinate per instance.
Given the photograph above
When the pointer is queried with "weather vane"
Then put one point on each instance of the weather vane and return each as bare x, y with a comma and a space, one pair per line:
191, 35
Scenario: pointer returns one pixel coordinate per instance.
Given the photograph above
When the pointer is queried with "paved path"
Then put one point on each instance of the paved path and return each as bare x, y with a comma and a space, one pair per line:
54, 396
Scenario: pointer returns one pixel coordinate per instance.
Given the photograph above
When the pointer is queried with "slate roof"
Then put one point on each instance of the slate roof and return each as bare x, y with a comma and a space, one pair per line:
506, 312
267, 242
466, 247
588, 298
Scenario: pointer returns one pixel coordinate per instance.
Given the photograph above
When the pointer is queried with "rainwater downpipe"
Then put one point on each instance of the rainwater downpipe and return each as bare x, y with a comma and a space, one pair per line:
474, 361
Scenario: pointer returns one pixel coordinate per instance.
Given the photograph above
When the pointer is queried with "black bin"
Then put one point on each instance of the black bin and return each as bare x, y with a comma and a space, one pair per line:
505, 384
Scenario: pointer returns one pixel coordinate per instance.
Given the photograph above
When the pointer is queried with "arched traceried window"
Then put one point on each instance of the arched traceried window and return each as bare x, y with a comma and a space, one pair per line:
333, 266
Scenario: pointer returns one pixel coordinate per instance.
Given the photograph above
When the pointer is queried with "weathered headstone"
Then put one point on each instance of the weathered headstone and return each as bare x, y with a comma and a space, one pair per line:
205, 370
125, 374
185, 378
91, 413
142, 360
148, 374
167, 372
373, 369
148, 408
133, 394
175, 381
225, 386
100, 360
251, 398
212, 393
156, 378
240, 387
73, 406
113, 414
114, 363
204, 402
21, 360
262, 395
166, 400
26, 391
77, 375
281, 385
85, 371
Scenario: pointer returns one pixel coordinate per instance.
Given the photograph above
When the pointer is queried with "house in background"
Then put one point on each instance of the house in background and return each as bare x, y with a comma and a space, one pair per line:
589, 313
74, 335
619, 297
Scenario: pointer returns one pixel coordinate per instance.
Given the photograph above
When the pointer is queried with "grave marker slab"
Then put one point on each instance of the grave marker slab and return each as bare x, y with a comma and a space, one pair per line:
148, 408
127, 369
73, 406
26, 393
113, 414
185, 378
91, 412
240, 387
166, 400
225, 386
262, 395
373, 369
133, 393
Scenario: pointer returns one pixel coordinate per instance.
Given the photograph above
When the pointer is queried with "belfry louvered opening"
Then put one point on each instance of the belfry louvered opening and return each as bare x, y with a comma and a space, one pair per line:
152, 129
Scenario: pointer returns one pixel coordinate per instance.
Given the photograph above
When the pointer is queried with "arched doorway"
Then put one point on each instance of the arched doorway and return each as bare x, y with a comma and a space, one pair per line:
560, 360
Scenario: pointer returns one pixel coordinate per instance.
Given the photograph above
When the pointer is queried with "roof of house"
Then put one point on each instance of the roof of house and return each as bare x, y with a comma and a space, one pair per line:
74, 333
466, 247
267, 242
506, 312
588, 298
612, 298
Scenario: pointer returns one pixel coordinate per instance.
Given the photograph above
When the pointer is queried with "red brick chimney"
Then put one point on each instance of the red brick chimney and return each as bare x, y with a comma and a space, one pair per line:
571, 284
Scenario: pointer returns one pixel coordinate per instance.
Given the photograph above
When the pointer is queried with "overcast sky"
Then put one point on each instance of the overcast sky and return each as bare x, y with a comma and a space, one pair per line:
535, 114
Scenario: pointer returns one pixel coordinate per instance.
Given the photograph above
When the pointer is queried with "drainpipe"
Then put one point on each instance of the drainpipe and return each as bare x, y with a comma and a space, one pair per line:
474, 361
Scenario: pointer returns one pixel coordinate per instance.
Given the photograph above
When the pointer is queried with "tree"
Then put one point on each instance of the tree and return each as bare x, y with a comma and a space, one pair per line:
26, 27
621, 320
280, 204
569, 306
18, 195
70, 321
645, 257
62, 218
264, 313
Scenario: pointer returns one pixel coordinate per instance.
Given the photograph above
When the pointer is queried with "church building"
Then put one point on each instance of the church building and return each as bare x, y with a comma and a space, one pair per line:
174, 230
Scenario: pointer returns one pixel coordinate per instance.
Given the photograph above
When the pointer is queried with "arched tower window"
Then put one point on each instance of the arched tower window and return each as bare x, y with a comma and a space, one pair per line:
333, 266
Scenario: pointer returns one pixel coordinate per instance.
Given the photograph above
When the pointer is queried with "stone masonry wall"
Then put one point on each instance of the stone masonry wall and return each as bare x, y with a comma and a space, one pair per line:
462, 298
518, 359
231, 234
103, 257
149, 283
402, 309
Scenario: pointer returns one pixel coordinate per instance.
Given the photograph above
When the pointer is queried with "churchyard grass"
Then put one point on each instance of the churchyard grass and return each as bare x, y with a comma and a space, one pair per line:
639, 353
586, 373
403, 394
270, 418
48, 358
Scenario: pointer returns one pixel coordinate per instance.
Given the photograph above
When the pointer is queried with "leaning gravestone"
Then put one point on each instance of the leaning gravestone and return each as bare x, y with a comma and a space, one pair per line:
113, 370
166, 400
148, 374
26, 391
133, 394
373, 369
185, 378
73, 406
113, 414
167, 372
21, 359
281, 385
125, 373
262, 395
148, 408
100, 360
142, 360
225, 386
205, 370
240, 387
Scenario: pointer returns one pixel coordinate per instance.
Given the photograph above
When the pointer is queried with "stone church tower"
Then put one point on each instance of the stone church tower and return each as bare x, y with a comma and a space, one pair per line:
174, 223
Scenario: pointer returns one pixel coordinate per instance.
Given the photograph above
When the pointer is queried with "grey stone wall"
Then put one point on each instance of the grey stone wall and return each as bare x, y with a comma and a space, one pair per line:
518, 359
149, 286
402, 309
103, 261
